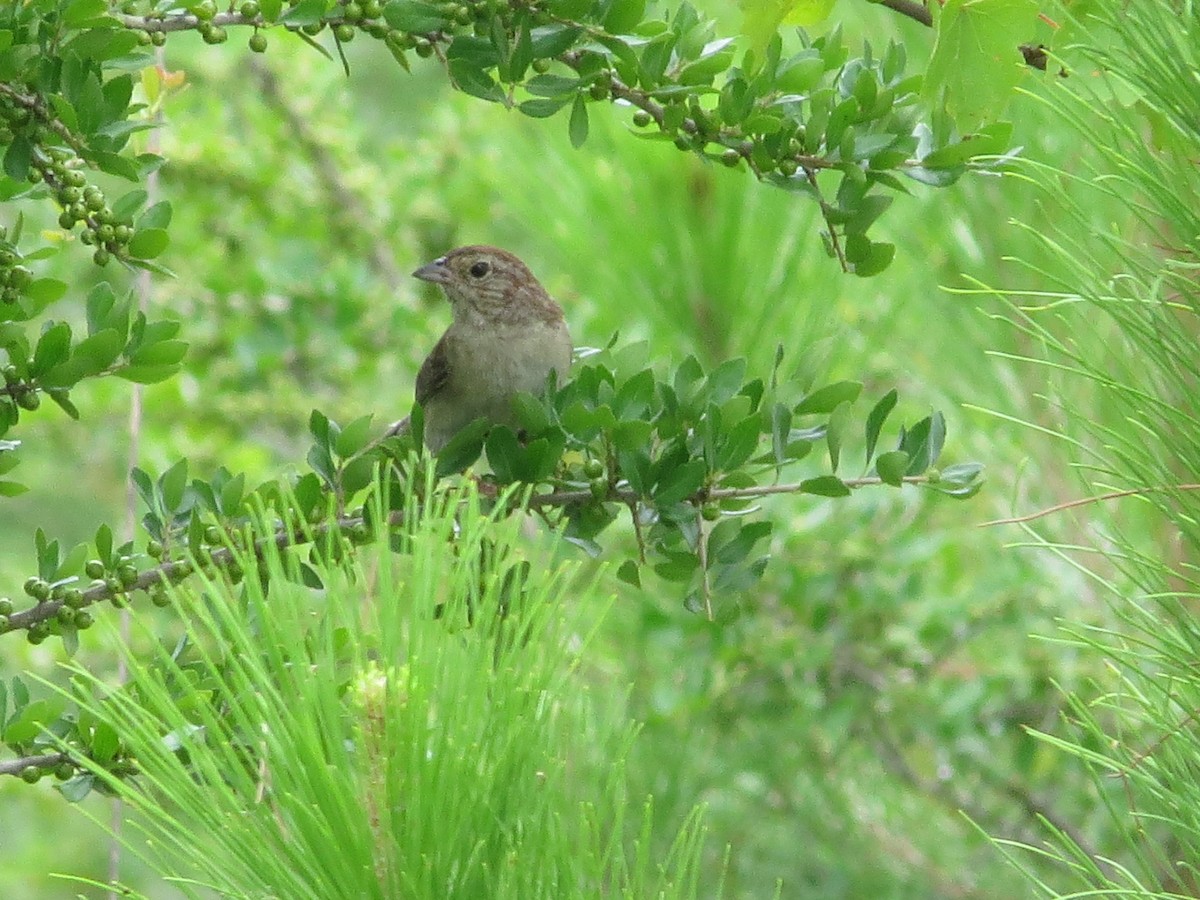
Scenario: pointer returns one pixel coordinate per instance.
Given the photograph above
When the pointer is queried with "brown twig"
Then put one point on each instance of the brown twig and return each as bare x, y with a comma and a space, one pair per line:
1084, 501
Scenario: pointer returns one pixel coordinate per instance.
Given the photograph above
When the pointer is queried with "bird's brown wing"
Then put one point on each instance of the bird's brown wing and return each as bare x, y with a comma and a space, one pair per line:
434, 374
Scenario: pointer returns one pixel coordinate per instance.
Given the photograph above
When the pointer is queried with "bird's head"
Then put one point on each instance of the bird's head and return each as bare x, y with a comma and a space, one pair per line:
490, 284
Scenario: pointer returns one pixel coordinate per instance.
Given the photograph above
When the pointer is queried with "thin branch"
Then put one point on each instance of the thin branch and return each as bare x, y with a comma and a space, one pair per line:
918, 12
42, 761
1084, 501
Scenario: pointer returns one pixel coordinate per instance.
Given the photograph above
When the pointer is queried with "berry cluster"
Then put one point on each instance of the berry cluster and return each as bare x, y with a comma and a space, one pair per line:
14, 277
60, 168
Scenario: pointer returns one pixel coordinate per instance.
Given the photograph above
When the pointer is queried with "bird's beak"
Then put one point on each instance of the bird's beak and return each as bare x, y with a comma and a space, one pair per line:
437, 271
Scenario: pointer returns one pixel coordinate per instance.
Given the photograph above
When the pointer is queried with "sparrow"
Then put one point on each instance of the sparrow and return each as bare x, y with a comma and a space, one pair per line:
507, 336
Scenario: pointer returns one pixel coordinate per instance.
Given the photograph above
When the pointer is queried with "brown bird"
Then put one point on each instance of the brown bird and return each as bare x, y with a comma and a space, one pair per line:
506, 337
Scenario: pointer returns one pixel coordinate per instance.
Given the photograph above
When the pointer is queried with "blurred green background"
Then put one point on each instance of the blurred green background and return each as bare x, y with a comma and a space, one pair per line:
876, 686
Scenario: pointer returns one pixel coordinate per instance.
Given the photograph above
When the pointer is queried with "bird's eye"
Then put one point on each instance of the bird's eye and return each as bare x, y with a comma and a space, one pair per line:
479, 269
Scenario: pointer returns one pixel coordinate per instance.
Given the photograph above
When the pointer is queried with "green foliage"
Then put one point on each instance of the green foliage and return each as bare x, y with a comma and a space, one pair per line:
416, 729
976, 62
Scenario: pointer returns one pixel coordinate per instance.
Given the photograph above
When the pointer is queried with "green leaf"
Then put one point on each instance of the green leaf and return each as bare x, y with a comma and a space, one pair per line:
52, 349
542, 108
825, 486
552, 40
171, 486
876, 257
18, 157
12, 488
680, 483
148, 243
623, 16
463, 449
976, 63
629, 573
578, 128
471, 79
892, 466
80, 11
504, 454
160, 353
146, 374
781, 427
838, 420
876, 418
310, 12
157, 216
827, 399
353, 437
45, 290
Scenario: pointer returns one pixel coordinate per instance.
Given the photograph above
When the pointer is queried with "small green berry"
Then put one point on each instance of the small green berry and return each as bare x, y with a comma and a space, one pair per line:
423, 47
788, 167
258, 42
344, 32
352, 11
593, 468
249, 9
4, 622
731, 157
66, 220
598, 91
84, 619
599, 488
63, 771
101, 257
711, 512
33, 586
29, 400
158, 38
214, 35
933, 476
154, 548
204, 10
74, 598
128, 576
31, 774
93, 568
6, 606
641, 118
372, 9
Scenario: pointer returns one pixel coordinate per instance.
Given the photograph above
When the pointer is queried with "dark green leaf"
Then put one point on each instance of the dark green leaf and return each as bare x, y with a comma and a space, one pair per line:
876, 418
629, 573
45, 290
311, 12
834, 431
504, 454
542, 108
578, 129
52, 348
473, 80
825, 486
463, 449
552, 40
172, 484
680, 482
892, 467
827, 398
17, 157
